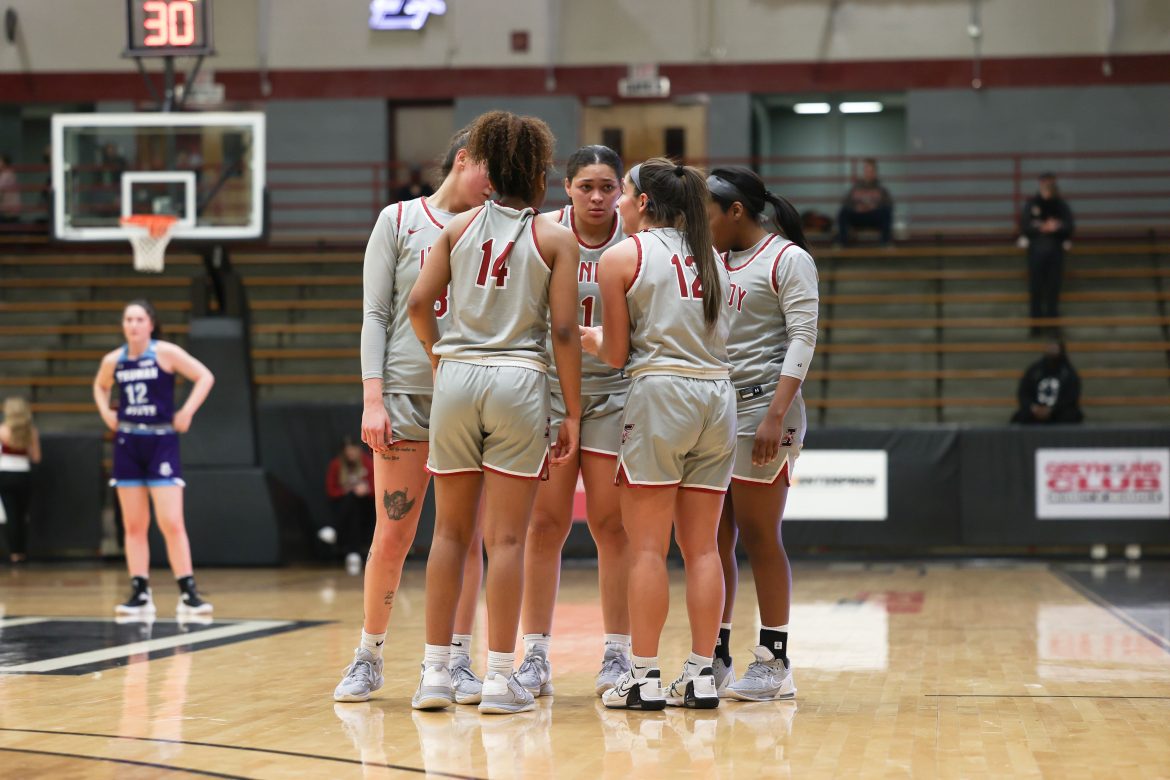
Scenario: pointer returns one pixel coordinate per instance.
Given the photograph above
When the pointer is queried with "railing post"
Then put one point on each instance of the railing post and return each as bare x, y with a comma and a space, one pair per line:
1017, 190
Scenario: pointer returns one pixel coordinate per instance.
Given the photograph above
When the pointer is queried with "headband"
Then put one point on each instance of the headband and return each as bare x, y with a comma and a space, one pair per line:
726, 190
635, 176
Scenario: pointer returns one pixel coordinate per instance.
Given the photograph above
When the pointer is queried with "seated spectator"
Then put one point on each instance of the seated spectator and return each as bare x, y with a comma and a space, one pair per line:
1050, 390
9, 191
350, 486
415, 187
867, 205
20, 450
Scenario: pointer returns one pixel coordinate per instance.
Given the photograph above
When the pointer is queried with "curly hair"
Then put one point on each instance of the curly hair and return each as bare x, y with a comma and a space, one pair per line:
518, 152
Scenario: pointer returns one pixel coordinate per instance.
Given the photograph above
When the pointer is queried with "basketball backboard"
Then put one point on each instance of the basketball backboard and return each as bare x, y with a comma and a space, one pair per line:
206, 169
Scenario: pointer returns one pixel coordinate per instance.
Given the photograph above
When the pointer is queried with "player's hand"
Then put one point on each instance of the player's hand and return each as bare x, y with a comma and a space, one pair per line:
110, 418
767, 444
376, 431
590, 339
568, 437
182, 421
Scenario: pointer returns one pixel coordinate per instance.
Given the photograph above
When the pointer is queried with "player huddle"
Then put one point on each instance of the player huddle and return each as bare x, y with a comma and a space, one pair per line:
506, 352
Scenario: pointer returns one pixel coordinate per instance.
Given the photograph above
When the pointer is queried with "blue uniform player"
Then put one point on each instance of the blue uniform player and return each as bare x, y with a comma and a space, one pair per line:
146, 451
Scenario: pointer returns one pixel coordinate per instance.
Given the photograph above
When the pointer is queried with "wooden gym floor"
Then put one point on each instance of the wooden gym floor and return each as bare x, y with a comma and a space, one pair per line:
945, 669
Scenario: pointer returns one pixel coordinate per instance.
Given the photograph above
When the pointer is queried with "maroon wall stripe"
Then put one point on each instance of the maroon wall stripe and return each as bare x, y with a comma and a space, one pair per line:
601, 81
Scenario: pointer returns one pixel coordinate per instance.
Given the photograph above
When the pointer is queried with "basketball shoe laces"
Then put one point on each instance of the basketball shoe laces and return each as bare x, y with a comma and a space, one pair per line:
528, 665
361, 670
763, 669
612, 665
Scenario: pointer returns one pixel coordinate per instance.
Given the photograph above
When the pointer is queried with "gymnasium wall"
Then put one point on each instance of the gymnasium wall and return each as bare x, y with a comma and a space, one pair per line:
88, 35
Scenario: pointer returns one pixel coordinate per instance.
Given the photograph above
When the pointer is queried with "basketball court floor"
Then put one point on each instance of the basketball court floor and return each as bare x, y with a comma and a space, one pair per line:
943, 669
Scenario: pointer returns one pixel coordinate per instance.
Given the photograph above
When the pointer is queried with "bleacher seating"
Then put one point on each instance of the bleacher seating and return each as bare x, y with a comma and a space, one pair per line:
917, 334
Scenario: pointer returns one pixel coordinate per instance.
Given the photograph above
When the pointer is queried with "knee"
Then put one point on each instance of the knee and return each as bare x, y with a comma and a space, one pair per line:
758, 536
390, 548
608, 531
170, 524
547, 531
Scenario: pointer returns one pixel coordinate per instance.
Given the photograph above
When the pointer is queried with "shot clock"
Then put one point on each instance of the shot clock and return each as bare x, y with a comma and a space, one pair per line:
158, 28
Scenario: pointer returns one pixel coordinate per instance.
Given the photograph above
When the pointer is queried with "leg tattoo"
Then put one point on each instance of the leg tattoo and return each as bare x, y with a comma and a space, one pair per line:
396, 504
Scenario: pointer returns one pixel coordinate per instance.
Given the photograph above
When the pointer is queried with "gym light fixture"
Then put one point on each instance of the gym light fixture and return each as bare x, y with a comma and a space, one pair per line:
812, 108
861, 107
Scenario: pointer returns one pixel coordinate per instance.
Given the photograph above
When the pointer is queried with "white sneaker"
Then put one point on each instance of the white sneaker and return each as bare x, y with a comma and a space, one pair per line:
504, 696
535, 674
724, 676
767, 678
353, 564
630, 693
696, 692
140, 604
362, 677
435, 689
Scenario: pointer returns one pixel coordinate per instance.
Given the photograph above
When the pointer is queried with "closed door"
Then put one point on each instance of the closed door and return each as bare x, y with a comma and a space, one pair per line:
638, 131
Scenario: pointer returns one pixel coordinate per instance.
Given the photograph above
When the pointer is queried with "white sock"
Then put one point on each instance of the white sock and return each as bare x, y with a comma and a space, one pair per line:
501, 663
460, 647
619, 643
640, 664
696, 663
725, 626
437, 655
373, 642
538, 642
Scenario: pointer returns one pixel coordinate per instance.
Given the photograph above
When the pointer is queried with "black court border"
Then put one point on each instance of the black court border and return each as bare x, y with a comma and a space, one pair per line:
1113, 609
246, 748
169, 652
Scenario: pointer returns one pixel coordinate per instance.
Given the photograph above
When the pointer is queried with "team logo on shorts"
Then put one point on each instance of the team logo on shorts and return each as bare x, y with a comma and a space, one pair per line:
547, 427
626, 431
789, 437
165, 469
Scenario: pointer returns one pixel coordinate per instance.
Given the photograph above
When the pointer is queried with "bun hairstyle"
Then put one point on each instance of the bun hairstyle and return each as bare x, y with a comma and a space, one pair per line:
677, 197
736, 184
148, 307
518, 152
594, 154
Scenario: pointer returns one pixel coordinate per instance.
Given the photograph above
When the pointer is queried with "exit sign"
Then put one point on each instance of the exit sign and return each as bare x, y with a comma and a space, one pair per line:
404, 14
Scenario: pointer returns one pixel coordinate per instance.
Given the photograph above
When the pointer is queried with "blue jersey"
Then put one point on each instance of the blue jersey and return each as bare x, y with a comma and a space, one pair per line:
147, 392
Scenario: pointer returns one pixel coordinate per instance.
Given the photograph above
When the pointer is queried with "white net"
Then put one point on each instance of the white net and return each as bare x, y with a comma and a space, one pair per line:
149, 236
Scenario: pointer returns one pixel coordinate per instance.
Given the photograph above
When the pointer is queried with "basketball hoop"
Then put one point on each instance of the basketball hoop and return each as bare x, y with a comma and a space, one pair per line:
149, 236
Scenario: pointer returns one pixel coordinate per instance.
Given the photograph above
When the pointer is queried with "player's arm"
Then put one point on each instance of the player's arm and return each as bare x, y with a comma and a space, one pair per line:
799, 299
560, 249
178, 360
611, 342
102, 383
378, 279
431, 283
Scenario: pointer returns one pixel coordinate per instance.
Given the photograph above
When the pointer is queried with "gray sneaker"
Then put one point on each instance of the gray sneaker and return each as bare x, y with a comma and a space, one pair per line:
468, 687
504, 696
614, 664
724, 676
766, 679
362, 677
435, 690
535, 674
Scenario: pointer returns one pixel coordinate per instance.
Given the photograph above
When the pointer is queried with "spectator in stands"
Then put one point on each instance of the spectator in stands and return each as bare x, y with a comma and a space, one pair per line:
350, 485
867, 205
20, 449
1046, 226
9, 191
1050, 390
415, 187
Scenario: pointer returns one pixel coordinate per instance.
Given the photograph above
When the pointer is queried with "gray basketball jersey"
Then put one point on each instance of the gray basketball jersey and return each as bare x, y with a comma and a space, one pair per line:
499, 291
596, 377
393, 261
759, 339
668, 334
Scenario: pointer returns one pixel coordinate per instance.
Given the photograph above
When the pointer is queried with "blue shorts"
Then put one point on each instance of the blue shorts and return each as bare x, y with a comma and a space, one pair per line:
147, 460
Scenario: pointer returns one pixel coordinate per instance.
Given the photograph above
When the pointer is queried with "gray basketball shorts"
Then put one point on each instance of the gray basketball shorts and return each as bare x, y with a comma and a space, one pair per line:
678, 431
409, 415
601, 422
489, 418
748, 419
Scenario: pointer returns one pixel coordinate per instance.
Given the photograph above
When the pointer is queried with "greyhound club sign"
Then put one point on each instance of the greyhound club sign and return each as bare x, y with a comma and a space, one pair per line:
1103, 484
404, 14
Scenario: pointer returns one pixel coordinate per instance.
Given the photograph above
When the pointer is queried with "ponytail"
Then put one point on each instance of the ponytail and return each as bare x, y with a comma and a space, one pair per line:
679, 194
787, 219
737, 184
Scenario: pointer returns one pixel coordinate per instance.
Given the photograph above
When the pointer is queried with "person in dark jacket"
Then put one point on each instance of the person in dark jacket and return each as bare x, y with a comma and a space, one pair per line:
350, 486
1046, 226
867, 205
1050, 390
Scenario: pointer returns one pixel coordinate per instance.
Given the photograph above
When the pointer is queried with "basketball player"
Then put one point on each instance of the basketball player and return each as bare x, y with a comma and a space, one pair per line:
508, 273
664, 292
773, 305
593, 181
146, 451
397, 387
